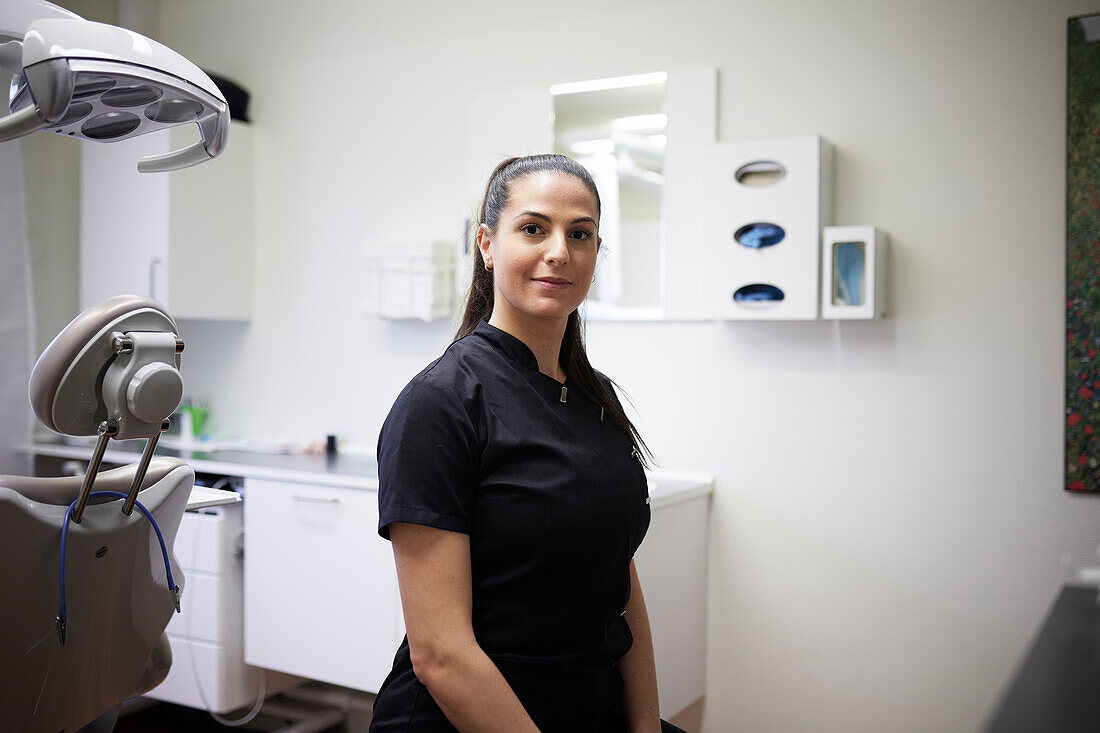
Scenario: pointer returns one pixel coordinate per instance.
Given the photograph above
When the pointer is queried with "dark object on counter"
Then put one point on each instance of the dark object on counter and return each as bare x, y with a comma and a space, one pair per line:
234, 94
330, 445
1055, 689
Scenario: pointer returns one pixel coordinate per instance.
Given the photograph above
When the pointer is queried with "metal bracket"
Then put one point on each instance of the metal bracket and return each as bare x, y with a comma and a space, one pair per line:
107, 430
142, 469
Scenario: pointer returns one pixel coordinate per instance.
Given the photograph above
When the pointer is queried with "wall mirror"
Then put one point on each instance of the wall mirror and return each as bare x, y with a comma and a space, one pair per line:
643, 138
617, 129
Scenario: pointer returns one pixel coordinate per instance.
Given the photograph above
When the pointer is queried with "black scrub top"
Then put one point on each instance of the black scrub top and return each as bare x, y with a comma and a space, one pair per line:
555, 501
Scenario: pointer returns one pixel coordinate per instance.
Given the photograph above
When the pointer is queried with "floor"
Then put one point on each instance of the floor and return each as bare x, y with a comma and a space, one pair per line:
147, 716
691, 717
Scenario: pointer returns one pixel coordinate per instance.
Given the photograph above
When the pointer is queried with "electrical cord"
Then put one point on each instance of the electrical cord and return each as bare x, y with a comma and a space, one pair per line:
62, 614
251, 714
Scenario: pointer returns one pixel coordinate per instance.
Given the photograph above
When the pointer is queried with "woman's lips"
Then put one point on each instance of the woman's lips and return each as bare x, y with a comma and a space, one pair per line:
554, 284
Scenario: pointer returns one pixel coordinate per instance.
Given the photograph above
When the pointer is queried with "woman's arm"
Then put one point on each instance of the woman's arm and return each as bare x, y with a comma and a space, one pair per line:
433, 573
637, 667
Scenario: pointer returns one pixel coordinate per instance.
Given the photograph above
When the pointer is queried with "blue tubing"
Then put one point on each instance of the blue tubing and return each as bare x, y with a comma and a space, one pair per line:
65, 533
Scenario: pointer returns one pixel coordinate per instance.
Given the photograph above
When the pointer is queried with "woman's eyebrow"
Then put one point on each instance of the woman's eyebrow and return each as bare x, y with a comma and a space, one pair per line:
544, 217
532, 213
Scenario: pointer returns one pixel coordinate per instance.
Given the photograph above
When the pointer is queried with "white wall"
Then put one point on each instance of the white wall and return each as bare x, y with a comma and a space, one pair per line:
889, 517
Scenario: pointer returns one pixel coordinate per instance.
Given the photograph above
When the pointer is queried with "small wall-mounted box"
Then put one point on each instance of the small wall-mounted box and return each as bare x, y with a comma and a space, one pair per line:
415, 281
767, 202
853, 272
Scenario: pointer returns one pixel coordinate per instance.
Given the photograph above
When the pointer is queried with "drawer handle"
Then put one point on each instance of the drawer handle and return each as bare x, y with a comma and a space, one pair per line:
315, 500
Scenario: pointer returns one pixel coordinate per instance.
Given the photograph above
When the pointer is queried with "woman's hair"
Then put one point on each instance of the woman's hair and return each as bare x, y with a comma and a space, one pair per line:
479, 300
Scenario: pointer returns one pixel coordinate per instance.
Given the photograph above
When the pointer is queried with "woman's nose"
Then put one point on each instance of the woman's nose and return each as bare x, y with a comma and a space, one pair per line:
558, 249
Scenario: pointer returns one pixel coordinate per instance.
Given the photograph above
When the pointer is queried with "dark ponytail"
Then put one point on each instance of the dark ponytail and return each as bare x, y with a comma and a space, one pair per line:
479, 299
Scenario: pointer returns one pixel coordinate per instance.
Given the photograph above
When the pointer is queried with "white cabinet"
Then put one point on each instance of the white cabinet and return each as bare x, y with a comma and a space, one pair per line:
184, 238
320, 596
672, 568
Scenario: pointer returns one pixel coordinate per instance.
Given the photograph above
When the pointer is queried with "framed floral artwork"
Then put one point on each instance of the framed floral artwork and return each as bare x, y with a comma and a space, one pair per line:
1082, 384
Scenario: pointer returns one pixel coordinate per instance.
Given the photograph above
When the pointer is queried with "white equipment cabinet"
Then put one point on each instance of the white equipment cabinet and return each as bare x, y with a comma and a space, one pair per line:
207, 633
320, 594
183, 238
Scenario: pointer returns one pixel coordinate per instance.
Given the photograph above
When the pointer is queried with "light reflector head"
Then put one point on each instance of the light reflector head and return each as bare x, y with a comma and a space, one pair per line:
98, 82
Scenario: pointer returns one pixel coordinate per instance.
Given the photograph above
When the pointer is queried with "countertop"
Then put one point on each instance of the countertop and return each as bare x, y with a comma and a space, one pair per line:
346, 471
1055, 686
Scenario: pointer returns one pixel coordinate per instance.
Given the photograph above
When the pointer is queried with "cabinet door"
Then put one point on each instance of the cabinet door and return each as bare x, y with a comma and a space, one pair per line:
320, 590
184, 238
123, 221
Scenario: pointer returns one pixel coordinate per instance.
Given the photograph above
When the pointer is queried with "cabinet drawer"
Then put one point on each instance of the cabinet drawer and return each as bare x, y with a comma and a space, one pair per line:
206, 538
320, 585
209, 610
226, 683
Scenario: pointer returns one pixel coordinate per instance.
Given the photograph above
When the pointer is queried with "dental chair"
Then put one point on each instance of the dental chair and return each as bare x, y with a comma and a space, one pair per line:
86, 565
88, 578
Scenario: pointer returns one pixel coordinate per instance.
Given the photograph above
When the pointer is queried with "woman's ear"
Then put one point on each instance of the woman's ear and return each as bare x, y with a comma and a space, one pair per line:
483, 242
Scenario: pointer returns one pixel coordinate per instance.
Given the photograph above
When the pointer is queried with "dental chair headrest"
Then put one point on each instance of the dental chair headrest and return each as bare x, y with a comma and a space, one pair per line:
116, 362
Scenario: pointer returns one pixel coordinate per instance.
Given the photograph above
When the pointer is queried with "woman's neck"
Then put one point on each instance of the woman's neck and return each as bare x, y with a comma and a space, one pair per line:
543, 336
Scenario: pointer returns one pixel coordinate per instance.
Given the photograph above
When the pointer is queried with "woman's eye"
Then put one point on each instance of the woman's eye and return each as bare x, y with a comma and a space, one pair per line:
582, 235
530, 228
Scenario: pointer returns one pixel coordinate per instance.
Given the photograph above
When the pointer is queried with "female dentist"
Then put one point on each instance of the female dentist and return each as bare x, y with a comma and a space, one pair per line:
512, 489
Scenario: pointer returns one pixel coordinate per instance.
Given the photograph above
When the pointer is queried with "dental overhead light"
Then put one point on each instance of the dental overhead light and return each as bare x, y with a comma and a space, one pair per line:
99, 82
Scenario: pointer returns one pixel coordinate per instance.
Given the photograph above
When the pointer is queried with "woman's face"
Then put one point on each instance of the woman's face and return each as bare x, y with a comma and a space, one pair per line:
543, 252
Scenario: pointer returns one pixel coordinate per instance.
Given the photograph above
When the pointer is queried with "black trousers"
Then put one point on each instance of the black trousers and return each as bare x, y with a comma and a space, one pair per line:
404, 705
620, 723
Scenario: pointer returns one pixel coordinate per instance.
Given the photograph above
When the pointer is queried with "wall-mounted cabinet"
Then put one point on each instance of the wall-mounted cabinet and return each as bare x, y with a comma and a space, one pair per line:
184, 238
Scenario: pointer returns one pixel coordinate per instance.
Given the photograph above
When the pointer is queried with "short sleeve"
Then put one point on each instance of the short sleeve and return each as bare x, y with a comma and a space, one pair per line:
428, 460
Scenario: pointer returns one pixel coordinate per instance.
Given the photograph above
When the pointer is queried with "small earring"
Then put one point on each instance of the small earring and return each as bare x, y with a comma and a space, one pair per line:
488, 269
593, 278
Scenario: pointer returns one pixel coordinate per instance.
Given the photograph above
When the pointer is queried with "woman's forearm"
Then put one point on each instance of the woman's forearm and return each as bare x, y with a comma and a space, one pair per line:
473, 694
637, 667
